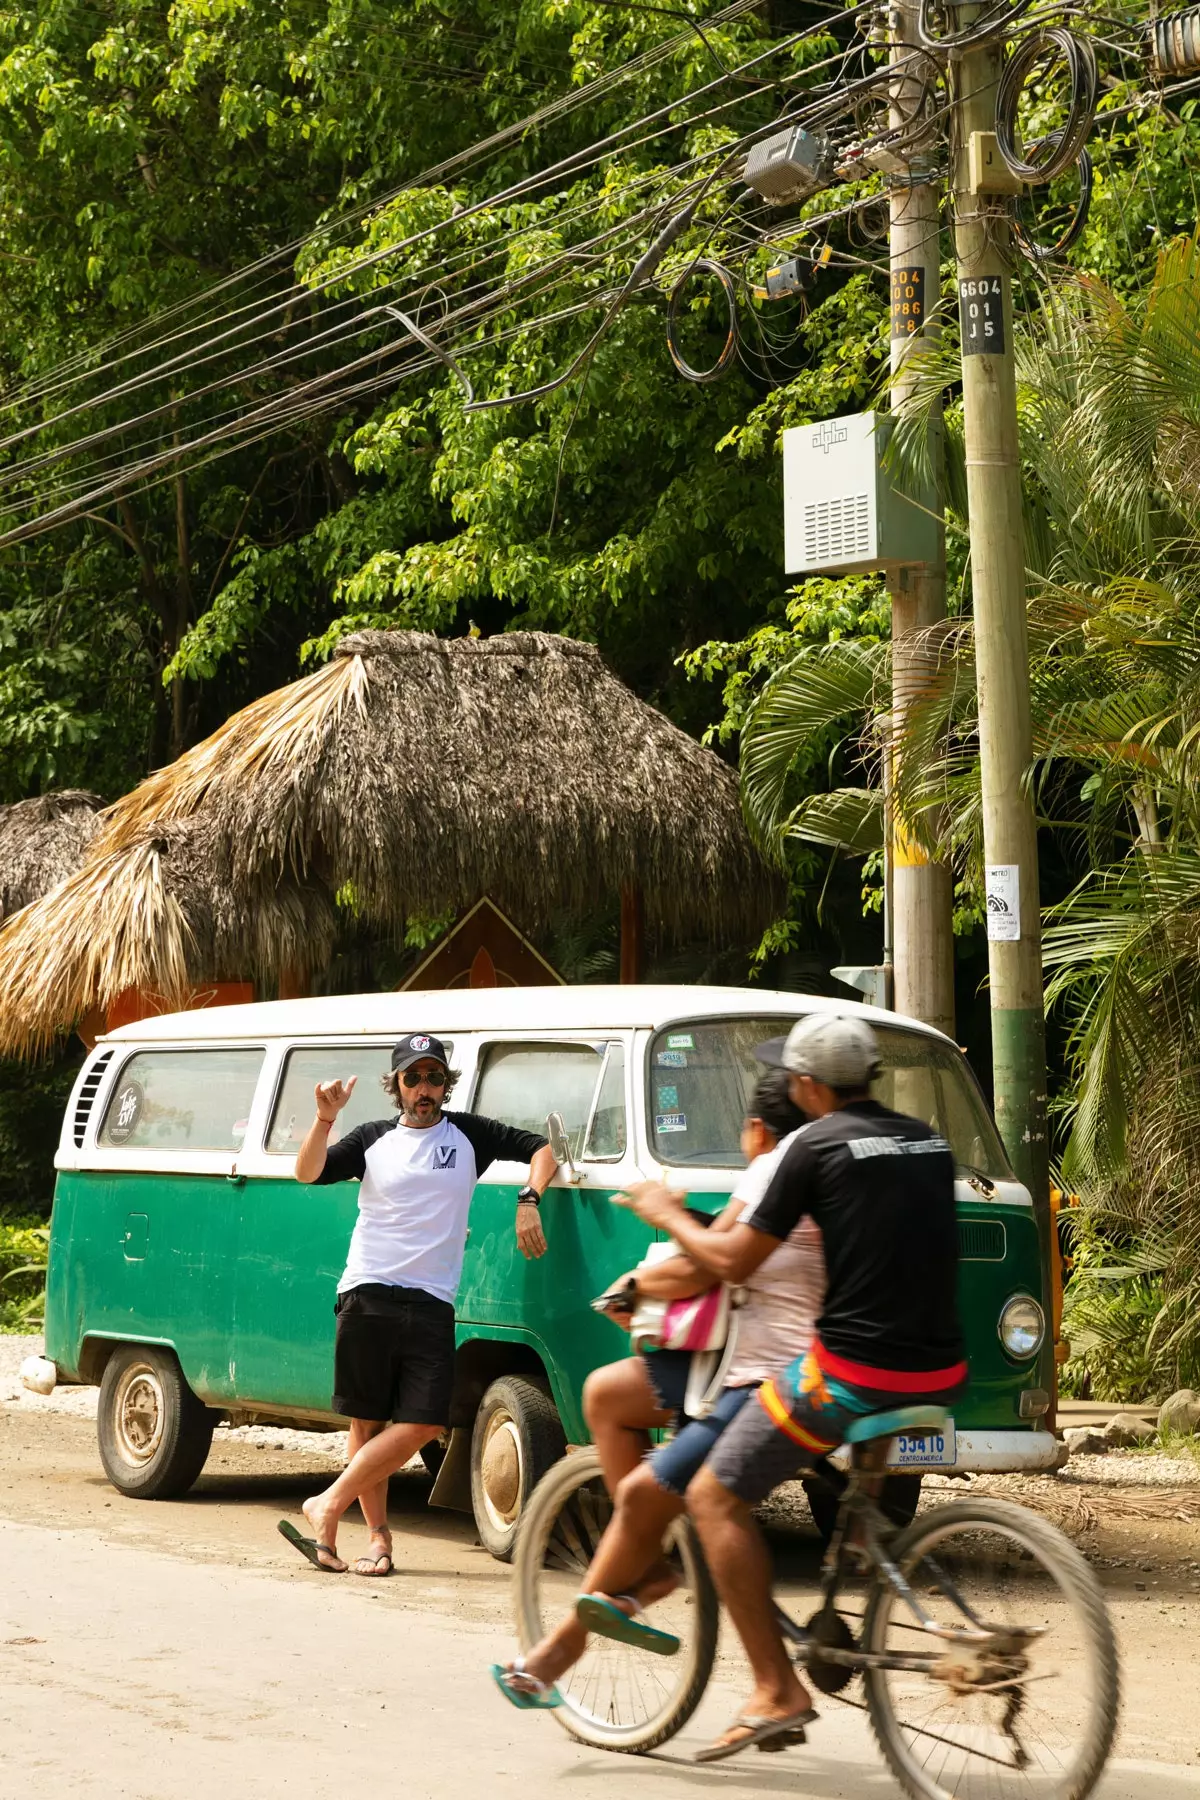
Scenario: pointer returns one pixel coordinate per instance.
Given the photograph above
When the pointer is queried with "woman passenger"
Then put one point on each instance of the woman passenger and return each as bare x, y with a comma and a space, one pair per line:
625, 1400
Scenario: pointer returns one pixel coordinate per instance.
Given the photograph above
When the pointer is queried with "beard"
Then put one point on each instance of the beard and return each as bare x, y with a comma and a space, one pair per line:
421, 1112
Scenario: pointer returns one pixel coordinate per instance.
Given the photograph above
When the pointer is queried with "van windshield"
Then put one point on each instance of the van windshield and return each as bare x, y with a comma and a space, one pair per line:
703, 1073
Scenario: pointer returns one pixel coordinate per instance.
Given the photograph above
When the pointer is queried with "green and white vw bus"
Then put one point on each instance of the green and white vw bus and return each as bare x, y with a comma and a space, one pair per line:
193, 1278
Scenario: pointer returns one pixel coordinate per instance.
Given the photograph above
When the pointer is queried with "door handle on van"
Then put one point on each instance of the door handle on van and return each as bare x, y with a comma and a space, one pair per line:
235, 1180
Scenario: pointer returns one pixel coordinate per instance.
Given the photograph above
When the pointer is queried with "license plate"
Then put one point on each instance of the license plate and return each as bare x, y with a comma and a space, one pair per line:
924, 1449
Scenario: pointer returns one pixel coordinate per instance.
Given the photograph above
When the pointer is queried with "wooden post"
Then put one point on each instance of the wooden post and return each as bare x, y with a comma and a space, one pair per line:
921, 893
632, 918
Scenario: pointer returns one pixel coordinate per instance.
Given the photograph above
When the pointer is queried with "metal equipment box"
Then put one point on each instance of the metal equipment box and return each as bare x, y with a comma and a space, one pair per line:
842, 509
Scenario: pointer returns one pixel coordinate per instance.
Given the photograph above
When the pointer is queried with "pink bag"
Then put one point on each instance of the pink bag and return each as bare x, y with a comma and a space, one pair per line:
701, 1323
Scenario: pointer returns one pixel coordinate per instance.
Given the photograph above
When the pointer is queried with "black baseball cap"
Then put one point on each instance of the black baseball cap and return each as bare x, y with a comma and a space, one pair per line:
417, 1045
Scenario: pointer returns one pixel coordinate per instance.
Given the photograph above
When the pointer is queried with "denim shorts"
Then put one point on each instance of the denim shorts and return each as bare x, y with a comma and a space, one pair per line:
674, 1463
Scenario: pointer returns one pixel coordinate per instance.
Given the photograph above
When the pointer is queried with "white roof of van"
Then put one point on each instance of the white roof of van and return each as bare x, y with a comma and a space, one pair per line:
450, 1010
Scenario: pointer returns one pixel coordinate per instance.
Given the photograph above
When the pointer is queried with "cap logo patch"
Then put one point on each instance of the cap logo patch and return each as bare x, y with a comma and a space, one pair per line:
419, 1043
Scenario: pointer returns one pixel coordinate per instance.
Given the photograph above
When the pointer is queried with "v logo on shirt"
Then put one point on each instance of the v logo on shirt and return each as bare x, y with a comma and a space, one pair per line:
445, 1157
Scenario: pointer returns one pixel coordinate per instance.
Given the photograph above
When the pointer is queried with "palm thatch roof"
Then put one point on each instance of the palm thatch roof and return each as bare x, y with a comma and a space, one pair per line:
425, 772
414, 772
163, 915
42, 841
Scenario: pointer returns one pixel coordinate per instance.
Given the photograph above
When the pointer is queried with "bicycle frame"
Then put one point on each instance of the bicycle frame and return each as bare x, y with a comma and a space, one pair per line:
863, 1530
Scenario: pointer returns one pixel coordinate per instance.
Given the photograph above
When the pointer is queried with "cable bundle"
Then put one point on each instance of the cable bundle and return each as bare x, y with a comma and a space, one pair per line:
1053, 154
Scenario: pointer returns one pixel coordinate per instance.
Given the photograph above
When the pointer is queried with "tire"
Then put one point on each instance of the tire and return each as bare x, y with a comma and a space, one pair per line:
516, 1438
559, 1528
154, 1434
899, 1500
1049, 1589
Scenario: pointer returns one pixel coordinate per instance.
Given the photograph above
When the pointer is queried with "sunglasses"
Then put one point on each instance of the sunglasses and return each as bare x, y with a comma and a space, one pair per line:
411, 1079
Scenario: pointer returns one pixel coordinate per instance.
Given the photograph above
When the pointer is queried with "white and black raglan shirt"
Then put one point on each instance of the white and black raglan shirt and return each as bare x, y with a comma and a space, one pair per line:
415, 1195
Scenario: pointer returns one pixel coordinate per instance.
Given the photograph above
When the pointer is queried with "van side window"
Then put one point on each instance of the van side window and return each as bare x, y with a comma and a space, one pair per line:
521, 1083
295, 1104
182, 1100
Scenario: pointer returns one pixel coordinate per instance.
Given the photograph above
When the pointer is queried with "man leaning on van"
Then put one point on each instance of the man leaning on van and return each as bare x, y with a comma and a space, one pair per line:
394, 1354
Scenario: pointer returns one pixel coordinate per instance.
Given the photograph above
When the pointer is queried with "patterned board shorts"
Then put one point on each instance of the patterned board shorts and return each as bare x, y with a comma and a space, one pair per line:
799, 1417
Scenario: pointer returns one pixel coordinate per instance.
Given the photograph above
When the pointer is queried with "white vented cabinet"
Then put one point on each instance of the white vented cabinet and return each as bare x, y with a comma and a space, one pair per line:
842, 509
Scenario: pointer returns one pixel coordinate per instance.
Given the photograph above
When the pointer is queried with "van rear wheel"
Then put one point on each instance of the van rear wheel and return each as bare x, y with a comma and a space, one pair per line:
518, 1436
154, 1434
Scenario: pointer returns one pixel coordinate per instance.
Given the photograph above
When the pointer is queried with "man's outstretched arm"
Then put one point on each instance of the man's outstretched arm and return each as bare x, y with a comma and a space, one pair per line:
331, 1096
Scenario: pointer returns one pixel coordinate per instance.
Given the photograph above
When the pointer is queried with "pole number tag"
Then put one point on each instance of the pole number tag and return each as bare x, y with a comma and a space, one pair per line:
908, 302
981, 315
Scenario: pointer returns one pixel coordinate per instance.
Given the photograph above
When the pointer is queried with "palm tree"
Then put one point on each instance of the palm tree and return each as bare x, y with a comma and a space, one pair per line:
1110, 429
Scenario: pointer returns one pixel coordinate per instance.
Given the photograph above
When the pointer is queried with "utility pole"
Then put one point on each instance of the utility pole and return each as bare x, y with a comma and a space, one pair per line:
982, 243
921, 892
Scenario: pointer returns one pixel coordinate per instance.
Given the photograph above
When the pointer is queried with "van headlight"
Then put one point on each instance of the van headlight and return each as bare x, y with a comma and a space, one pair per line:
1022, 1327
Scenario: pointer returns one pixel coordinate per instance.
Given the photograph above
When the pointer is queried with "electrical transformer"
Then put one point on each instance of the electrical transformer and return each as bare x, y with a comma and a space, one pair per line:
842, 509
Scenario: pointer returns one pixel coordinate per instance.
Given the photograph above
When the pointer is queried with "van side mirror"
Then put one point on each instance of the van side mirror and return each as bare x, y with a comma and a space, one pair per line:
560, 1144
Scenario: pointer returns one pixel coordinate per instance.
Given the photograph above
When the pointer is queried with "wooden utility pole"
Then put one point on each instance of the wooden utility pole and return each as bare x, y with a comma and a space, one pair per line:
921, 891
982, 242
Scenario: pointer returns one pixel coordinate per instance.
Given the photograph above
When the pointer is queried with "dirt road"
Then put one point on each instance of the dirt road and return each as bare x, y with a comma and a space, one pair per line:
177, 1651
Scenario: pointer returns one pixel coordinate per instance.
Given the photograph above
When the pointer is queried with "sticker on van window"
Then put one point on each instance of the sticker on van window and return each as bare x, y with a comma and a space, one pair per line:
671, 1059
670, 1121
126, 1112
668, 1098
681, 1040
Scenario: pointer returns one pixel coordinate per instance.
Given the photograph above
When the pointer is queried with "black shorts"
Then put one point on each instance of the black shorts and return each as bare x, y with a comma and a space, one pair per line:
393, 1355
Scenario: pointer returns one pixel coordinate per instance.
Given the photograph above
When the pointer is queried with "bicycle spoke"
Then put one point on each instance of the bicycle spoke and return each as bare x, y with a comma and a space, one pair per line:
618, 1696
1018, 1701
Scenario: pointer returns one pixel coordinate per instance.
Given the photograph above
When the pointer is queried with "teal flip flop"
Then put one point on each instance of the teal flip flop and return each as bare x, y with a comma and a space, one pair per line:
602, 1616
543, 1698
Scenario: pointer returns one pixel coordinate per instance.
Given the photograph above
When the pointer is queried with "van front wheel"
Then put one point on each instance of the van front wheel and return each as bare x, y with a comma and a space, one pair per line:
154, 1434
517, 1437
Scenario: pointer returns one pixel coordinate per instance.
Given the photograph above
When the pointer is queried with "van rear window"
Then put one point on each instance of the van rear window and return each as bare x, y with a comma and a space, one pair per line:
702, 1075
182, 1100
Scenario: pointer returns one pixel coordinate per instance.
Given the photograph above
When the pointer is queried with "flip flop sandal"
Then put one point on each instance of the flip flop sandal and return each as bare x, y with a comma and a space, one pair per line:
602, 1616
765, 1734
375, 1573
309, 1548
544, 1696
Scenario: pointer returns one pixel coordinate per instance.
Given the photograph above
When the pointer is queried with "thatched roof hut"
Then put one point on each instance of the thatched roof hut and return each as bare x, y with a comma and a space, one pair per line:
425, 772
42, 841
420, 774
162, 916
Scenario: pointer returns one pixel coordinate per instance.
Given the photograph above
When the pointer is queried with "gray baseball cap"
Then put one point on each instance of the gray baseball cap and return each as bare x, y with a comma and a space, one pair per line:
841, 1052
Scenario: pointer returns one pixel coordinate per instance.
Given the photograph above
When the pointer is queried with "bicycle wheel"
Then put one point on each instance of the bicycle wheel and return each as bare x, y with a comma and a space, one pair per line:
616, 1697
1025, 1709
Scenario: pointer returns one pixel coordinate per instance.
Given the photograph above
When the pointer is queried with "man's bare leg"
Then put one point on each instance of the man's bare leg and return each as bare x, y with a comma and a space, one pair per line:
372, 1500
380, 1456
740, 1564
627, 1557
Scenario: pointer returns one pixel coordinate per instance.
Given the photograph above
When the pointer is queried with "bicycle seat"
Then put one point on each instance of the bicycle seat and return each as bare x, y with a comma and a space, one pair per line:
890, 1424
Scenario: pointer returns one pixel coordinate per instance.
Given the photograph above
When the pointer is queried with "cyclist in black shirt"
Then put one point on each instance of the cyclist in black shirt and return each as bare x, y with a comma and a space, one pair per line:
881, 1188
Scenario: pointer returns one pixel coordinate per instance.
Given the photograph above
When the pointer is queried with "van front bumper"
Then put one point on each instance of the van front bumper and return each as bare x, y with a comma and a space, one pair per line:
1009, 1451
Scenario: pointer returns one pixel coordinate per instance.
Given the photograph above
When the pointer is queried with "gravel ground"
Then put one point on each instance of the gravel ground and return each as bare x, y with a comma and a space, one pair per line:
80, 1403
1125, 1469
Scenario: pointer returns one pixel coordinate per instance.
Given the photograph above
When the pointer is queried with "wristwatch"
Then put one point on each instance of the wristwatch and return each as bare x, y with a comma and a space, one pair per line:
529, 1196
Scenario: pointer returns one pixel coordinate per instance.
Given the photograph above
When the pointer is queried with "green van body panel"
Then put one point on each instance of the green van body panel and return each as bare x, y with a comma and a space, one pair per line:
239, 1276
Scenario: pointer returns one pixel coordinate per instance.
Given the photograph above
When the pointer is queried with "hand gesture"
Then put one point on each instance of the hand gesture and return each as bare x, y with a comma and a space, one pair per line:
531, 1239
654, 1203
332, 1096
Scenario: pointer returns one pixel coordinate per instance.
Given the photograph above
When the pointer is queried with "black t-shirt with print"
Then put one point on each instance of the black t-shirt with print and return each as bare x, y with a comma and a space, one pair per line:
489, 1139
880, 1186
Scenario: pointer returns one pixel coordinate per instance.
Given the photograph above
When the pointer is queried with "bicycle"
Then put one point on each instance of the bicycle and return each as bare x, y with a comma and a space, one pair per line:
1027, 1701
